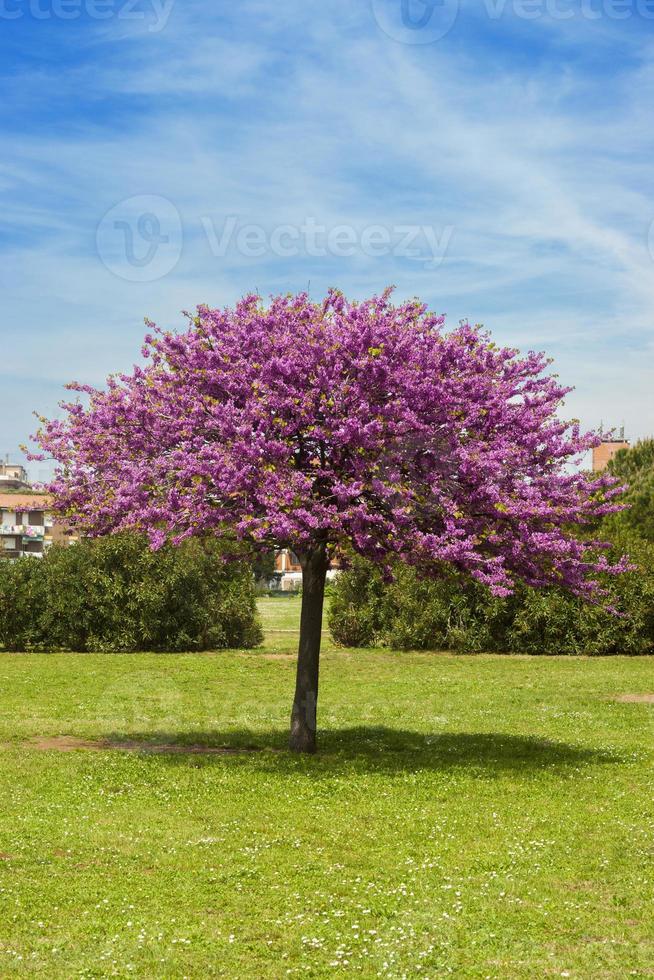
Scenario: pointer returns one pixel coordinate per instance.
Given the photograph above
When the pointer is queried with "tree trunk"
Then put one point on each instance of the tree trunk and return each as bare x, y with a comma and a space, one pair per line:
303, 717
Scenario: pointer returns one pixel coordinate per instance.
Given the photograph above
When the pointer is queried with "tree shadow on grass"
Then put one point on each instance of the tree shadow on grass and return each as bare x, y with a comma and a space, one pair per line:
369, 749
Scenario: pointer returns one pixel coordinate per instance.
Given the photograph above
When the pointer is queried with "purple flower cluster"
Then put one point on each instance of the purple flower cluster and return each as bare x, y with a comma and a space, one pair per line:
360, 425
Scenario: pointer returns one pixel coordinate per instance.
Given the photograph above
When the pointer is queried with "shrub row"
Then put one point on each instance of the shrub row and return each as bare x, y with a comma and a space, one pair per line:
115, 594
453, 613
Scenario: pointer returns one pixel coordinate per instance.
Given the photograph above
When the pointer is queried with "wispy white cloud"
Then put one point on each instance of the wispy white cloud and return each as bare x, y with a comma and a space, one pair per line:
287, 112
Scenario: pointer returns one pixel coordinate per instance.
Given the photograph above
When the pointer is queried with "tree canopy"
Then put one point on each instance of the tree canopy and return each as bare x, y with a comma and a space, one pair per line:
339, 422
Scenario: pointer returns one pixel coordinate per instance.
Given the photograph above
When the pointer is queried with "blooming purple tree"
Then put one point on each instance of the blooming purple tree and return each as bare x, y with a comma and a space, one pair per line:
326, 427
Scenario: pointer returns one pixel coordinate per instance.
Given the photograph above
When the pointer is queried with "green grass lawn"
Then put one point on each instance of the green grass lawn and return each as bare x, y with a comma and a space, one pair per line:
279, 616
466, 816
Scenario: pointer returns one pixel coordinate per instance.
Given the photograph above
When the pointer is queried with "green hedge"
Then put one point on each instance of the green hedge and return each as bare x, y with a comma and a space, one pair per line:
455, 613
115, 594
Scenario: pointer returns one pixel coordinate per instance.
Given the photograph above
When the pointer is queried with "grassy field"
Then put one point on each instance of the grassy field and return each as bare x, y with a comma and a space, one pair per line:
282, 616
466, 816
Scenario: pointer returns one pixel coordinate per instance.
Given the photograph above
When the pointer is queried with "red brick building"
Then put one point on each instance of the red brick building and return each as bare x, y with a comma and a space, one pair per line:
606, 450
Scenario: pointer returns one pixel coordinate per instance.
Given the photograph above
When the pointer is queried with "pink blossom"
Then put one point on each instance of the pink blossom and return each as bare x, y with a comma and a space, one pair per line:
350, 425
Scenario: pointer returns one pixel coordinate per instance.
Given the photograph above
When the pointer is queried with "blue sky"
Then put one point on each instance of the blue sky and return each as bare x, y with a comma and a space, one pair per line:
494, 158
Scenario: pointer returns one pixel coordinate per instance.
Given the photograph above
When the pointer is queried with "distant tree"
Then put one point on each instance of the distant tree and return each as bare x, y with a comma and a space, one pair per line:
263, 566
322, 426
635, 468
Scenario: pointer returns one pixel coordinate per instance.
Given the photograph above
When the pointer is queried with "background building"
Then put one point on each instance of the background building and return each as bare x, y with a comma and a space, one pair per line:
607, 450
27, 526
13, 476
288, 571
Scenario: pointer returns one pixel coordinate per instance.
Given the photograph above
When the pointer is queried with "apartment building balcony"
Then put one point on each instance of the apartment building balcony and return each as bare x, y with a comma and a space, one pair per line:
33, 532
27, 532
11, 529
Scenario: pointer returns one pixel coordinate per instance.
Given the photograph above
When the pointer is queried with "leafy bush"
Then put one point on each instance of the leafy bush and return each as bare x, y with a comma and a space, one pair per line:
410, 612
452, 612
455, 613
115, 594
355, 616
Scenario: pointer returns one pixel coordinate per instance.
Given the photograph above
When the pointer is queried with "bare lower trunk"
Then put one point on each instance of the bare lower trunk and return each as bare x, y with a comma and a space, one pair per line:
303, 717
